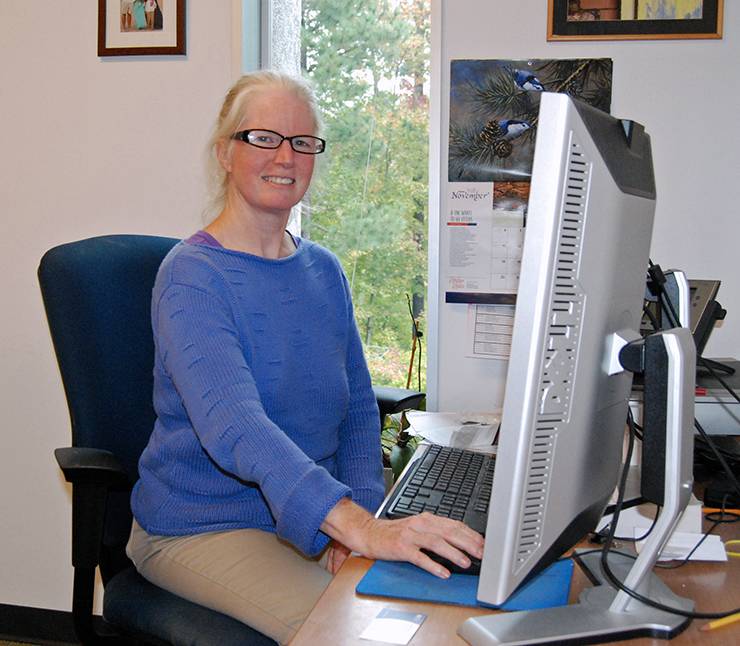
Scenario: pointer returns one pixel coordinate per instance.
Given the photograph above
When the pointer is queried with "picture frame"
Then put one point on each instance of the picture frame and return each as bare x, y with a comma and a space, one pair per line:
141, 27
587, 20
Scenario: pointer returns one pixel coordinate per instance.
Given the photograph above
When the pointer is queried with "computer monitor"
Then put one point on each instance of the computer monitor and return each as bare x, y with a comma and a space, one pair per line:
580, 299
582, 280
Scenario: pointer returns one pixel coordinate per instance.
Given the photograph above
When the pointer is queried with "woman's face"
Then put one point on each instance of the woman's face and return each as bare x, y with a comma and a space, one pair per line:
271, 180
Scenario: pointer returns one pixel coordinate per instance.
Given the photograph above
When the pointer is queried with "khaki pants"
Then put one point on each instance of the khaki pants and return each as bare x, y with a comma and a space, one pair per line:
247, 574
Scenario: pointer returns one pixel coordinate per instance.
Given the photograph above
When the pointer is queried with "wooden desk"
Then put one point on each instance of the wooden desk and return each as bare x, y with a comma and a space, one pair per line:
341, 615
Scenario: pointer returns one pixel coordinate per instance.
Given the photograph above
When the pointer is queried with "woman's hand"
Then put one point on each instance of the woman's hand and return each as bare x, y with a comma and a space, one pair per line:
403, 539
335, 556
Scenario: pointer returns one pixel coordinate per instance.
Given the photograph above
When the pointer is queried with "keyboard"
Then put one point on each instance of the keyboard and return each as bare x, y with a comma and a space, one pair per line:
450, 482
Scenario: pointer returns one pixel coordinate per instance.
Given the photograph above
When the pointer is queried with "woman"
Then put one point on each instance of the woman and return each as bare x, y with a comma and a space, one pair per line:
264, 465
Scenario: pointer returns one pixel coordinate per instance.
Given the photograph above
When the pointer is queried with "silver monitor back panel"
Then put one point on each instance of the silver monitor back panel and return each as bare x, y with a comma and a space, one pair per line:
583, 273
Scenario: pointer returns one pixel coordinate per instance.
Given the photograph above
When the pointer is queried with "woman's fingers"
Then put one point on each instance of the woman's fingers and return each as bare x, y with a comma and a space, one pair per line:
336, 556
405, 539
457, 533
425, 562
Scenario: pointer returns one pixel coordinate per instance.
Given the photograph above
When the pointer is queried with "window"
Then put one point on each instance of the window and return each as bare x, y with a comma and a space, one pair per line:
369, 62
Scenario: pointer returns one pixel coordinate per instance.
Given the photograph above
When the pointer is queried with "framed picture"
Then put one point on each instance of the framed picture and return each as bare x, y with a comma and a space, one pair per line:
141, 27
633, 19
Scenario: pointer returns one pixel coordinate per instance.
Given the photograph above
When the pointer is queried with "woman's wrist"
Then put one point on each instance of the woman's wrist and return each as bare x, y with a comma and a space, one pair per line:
348, 523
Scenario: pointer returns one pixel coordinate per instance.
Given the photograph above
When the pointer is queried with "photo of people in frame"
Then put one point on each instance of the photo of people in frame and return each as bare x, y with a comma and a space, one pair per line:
589, 10
141, 15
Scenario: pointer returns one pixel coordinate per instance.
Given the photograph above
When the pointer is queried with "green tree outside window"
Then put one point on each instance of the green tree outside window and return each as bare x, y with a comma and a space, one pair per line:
369, 61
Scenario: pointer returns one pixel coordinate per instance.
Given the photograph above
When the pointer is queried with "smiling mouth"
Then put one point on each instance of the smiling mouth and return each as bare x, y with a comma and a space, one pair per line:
284, 181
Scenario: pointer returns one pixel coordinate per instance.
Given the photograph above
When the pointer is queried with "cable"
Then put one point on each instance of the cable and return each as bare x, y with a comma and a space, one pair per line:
687, 558
418, 371
718, 365
722, 461
702, 446
653, 319
601, 535
715, 520
732, 543
638, 431
656, 281
615, 582
417, 334
706, 364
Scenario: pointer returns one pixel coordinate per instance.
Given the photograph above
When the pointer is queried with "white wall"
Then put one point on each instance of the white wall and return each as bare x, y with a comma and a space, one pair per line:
88, 146
685, 92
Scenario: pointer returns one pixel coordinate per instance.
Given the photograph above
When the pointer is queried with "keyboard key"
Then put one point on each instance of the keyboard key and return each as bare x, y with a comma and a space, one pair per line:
450, 483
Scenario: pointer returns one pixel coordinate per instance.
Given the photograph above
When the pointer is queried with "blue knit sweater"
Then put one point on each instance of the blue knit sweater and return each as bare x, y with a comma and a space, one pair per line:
265, 413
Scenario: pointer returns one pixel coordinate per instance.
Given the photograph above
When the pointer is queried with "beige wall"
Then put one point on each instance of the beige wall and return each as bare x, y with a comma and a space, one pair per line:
685, 92
91, 146
88, 146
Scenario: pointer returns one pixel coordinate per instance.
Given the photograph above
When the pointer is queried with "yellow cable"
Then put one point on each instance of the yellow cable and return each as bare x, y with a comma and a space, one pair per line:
729, 553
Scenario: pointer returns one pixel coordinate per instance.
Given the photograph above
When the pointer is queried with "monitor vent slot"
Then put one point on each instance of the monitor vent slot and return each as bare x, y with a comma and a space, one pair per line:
563, 334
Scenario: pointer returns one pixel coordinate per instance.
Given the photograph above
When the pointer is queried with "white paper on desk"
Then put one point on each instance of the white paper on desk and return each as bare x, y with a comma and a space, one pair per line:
681, 543
460, 430
393, 626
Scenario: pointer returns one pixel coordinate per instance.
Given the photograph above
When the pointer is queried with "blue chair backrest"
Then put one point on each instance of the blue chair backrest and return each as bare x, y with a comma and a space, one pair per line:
97, 295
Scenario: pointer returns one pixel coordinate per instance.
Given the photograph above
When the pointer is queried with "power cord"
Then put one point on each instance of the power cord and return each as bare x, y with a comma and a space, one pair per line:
726, 467
600, 536
724, 517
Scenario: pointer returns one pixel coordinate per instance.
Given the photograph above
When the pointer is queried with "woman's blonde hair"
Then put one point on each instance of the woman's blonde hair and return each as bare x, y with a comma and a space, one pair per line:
233, 111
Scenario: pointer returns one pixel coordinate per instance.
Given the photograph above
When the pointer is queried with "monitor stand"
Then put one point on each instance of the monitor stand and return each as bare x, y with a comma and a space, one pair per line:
602, 613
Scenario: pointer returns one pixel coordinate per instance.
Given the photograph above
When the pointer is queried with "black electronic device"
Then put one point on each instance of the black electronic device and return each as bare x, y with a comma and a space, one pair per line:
704, 309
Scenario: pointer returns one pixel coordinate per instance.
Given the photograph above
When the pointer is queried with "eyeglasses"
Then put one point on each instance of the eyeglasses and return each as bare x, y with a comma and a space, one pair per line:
306, 144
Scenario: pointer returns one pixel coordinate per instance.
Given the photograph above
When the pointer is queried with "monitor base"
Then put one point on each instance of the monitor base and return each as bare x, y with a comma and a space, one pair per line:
590, 621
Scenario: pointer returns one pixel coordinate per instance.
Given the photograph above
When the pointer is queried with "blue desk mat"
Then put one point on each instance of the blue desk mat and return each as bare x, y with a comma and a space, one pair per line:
405, 581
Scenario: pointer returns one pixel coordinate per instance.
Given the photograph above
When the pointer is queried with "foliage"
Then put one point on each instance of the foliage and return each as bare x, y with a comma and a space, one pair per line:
368, 60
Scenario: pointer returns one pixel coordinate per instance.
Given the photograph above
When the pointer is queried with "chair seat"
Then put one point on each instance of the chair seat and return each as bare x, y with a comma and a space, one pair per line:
136, 606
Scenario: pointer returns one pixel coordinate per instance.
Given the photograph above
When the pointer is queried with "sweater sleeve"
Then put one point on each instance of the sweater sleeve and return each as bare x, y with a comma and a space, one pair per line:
199, 345
359, 457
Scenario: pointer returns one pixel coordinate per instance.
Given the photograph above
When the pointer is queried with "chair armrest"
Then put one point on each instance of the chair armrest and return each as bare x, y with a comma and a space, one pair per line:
94, 466
92, 472
394, 400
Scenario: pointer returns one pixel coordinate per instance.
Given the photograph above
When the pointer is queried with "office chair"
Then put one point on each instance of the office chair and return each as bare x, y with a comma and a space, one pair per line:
97, 296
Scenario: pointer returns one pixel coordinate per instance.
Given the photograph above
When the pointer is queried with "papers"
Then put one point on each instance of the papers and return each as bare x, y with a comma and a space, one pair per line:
393, 626
490, 328
459, 430
635, 521
680, 545
642, 516
481, 241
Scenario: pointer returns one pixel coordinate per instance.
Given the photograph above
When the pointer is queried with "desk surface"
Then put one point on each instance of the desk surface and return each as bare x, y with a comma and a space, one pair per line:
341, 615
